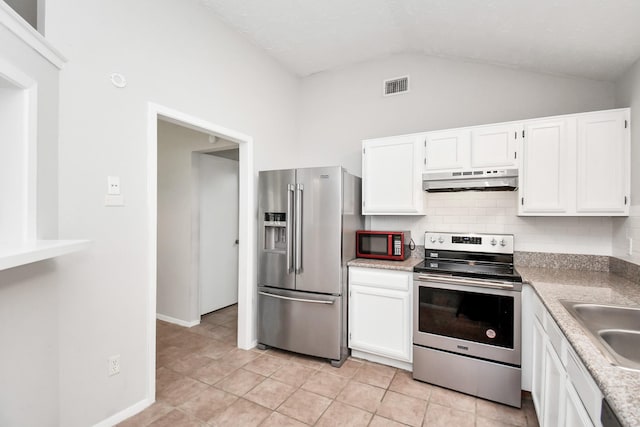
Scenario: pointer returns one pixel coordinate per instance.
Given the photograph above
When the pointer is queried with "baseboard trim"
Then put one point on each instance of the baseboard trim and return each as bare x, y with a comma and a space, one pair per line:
407, 366
177, 321
125, 413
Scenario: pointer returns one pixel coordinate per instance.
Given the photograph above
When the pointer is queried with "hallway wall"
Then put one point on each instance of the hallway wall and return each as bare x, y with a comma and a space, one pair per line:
175, 53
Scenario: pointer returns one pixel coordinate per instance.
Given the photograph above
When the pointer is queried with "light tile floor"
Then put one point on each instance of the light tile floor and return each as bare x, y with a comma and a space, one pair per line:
202, 379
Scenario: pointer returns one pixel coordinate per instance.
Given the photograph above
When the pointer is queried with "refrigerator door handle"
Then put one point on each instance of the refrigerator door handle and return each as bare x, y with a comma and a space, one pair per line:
313, 301
289, 225
299, 190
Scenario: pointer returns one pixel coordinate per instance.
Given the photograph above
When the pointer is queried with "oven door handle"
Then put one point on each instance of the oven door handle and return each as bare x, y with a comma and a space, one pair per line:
465, 281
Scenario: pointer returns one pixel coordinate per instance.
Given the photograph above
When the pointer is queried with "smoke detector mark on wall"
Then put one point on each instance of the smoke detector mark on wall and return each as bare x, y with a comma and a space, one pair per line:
396, 86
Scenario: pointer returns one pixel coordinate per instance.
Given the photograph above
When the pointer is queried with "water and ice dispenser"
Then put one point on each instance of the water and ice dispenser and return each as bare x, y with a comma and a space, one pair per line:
275, 231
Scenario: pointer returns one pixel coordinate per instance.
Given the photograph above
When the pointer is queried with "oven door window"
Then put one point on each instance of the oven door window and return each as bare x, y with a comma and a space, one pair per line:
374, 244
478, 317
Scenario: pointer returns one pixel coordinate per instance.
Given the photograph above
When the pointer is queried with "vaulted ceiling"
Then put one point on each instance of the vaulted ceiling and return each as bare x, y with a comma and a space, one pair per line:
596, 39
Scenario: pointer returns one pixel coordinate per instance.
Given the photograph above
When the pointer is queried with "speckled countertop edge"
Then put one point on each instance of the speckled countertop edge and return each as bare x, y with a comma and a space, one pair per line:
406, 265
619, 386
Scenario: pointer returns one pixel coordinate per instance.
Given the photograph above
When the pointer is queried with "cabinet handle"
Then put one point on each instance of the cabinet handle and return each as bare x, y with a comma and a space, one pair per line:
625, 200
522, 201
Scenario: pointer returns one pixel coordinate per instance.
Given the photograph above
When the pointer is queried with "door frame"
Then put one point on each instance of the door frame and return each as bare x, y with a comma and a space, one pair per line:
246, 227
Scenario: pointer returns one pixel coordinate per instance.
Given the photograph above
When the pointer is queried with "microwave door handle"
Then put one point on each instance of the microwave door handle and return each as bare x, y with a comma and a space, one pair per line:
289, 225
298, 221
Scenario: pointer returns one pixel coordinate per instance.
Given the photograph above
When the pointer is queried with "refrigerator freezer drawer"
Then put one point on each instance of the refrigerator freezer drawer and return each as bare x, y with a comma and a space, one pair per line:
300, 322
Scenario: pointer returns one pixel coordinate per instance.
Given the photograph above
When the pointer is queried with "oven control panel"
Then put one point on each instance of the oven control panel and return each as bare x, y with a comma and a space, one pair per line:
467, 240
470, 242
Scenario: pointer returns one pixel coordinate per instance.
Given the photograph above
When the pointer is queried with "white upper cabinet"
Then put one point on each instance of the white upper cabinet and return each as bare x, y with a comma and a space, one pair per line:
494, 146
543, 171
576, 165
603, 162
447, 150
570, 165
479, 147
392, 175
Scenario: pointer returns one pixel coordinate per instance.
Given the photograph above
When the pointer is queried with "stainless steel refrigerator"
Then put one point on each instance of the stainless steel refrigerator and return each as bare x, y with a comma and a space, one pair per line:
307, 219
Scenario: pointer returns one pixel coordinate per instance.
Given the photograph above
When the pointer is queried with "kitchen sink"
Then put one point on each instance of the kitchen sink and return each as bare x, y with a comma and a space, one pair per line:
615, 330
624, 343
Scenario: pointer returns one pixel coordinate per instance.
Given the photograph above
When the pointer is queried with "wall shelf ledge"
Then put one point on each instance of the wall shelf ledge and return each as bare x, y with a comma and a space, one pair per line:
14, 254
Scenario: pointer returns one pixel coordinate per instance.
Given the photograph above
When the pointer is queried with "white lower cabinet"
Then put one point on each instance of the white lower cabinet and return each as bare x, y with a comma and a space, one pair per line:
563, 392
380, 315
537, 380
575, 413
553, 390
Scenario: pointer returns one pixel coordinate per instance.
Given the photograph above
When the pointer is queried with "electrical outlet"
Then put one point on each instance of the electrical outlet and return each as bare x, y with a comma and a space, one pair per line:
113, 365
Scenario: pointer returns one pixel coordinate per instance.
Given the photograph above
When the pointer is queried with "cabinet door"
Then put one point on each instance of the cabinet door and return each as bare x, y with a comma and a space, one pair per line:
554, 389
603, 163
380, 321
575, 414
392, 176
494, 146
447, 150
537, 380
543, 171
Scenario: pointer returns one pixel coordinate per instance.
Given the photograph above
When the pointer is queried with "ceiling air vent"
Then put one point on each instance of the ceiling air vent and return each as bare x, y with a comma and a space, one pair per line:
396, 86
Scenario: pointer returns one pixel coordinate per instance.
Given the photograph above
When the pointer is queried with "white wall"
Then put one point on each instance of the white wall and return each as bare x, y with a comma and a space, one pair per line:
29, 337
628, 95
29, 344
174, 53
340, 108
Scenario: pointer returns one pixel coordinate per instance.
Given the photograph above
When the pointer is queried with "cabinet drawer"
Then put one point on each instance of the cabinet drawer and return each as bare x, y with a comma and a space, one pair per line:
584, 385
379, 278
557, 339
538, 309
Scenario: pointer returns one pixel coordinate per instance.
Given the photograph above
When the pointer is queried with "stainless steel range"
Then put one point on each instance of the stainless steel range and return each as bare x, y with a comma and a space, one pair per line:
466, 317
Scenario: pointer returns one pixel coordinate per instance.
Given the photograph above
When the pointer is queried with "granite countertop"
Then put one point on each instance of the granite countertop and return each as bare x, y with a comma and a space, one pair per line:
621, 387
406, 265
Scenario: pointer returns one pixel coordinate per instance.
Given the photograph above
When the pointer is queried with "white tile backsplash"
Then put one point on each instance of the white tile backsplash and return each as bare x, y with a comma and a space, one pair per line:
623, 228
496, 212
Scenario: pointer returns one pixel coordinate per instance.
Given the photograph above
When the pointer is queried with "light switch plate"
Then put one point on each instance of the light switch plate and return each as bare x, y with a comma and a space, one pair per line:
113, 185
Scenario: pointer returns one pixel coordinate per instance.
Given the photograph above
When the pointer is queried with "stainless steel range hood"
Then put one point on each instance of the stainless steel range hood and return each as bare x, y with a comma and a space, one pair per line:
471, 180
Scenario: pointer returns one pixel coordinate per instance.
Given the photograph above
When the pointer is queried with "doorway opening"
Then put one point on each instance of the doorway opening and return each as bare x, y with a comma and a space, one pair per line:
245, 230
197, 255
